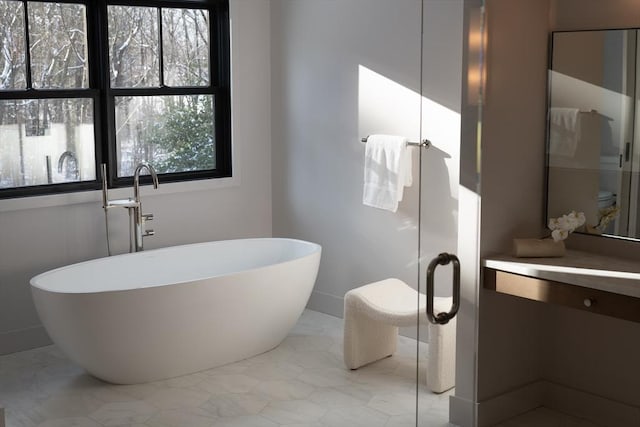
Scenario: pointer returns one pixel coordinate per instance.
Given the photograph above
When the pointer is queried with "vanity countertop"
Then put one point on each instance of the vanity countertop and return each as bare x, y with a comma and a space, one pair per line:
583, 269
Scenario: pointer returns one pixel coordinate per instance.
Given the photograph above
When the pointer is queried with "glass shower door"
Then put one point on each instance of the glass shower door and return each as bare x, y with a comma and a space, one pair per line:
451, 92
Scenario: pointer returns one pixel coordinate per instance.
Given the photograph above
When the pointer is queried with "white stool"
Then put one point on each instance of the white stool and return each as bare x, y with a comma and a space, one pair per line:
372, 315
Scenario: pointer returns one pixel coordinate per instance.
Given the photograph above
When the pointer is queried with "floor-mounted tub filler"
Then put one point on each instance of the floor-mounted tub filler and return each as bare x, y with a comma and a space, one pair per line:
162, 313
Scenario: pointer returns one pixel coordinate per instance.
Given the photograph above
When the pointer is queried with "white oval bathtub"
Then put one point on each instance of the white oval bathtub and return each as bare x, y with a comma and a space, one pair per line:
161, 313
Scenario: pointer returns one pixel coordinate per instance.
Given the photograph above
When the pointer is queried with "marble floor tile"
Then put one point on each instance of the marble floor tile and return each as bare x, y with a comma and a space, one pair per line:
70, 422
293, 412
328, 377
394, 403
331, 397
354, 416
232, 383
302, 382
235, 404
191, 417
63, 405
246, 421
175, 398
122, 413
274, 370
284, 390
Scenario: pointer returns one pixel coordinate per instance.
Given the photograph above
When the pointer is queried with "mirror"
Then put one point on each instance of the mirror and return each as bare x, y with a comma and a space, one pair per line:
593, 158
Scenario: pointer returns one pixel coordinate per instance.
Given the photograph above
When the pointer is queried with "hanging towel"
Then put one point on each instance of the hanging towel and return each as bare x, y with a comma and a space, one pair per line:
564, 131
387, 170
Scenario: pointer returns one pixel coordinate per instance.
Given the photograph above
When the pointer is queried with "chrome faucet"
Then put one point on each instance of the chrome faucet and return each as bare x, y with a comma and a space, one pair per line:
72, 165
134, 206
139, 218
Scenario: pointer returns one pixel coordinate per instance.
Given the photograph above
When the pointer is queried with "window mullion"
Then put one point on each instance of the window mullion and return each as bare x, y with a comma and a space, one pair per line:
100, 76
160, 49
48, 93
27, 47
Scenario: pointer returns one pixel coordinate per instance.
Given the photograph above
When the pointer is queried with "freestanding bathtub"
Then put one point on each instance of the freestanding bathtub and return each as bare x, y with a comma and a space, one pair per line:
157, 314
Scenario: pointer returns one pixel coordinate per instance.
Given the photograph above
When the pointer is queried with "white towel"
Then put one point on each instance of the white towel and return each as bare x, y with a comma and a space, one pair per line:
387, 170
564, 131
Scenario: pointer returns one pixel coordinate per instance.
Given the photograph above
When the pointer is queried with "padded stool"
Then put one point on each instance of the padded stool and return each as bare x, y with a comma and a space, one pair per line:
372, 315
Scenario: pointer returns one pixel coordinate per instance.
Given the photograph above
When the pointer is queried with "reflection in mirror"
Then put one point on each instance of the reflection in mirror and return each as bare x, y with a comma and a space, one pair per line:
593, 163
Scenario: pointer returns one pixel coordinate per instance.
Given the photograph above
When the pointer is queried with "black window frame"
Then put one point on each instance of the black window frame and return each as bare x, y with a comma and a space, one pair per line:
103, 95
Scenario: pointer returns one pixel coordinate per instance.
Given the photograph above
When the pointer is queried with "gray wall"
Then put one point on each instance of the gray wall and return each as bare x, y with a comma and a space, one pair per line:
513, 158
606, 348
47, 232
594, 14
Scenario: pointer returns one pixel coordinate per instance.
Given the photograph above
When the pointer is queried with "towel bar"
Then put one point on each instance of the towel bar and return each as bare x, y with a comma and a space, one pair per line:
425, 142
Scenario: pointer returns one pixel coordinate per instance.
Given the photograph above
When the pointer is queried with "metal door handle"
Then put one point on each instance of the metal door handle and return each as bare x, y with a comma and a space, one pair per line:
443, 259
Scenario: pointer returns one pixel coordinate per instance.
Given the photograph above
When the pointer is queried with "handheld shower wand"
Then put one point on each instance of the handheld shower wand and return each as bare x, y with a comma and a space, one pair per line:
105, 205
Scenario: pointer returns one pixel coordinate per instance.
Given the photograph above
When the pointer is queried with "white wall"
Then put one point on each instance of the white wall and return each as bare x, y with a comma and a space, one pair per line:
328, 58
44, 233
344, 70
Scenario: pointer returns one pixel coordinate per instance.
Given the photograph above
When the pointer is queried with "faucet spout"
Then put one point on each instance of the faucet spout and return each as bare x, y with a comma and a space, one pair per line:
139, 219
136, 178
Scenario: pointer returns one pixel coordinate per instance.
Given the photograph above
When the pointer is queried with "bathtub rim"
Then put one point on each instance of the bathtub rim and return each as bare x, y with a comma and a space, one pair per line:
316, 249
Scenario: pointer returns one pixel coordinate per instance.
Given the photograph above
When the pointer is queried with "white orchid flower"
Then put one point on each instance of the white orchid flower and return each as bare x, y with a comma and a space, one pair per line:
561, 227
558, 235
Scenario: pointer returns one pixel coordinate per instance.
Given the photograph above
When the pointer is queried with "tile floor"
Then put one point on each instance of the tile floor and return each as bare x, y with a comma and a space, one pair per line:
303, 382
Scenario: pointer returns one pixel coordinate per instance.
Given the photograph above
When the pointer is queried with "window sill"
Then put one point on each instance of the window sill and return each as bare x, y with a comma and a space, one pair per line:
84, 197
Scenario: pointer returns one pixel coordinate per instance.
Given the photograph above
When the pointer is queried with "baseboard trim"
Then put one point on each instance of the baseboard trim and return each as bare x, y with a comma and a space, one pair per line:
580, 404
326, 303
23, 339
511, 404
597, 409
461, 412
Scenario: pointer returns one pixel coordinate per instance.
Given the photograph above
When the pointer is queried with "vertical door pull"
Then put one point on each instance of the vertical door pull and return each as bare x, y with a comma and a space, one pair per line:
443, 259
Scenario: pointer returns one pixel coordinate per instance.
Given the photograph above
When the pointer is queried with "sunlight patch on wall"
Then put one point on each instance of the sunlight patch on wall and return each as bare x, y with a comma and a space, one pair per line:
441, 126
386, 106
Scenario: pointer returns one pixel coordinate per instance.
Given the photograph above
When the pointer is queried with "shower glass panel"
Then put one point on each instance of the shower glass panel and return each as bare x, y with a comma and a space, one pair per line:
453, 40
387, 60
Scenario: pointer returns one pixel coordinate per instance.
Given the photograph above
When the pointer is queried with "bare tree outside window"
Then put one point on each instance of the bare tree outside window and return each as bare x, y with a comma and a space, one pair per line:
12, 59
185, 43
133, 47
34, 133
155, 98
58, 45
174, 133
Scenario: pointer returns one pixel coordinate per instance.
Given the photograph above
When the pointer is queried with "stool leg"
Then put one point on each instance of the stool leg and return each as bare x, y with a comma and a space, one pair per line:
441, 362
366, 340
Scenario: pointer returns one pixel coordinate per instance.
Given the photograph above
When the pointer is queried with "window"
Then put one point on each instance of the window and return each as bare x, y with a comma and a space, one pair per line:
84, 82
